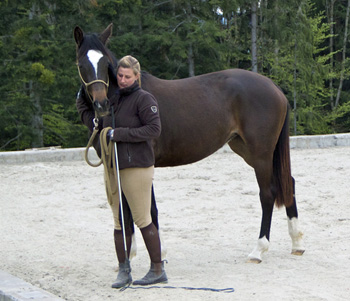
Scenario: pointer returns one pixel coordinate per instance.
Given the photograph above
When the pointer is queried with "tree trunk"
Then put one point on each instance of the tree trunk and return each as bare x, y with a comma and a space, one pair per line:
190, 57
254, 38
295, 87
331, 47
343, 59
190, 61
37, 118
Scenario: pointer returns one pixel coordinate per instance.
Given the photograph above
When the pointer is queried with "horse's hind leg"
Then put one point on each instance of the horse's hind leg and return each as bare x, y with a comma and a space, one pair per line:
262, 164
264, 176
293, 227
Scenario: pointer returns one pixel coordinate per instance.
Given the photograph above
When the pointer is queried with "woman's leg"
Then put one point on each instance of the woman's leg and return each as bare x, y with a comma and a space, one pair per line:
124, 272
137, 186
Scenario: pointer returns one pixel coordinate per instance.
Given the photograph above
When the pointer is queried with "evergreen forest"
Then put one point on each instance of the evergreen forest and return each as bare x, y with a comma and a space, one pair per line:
302, 45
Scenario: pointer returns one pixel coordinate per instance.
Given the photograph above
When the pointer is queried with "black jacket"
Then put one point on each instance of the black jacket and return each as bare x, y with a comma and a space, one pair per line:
137, 124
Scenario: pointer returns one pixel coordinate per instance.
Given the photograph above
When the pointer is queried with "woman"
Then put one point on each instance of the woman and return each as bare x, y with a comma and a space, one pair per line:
137, 123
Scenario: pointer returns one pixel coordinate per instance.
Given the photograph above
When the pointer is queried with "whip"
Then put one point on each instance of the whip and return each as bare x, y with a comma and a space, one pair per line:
127, 261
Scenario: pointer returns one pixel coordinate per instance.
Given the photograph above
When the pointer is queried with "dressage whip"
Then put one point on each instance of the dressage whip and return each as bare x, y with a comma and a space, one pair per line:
127, 261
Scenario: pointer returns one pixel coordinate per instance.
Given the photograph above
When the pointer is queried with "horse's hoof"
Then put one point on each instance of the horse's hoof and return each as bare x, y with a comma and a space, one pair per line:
254, 260
298, 252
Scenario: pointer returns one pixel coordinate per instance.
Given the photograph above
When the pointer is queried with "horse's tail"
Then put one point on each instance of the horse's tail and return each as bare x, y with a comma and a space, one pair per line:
282, 168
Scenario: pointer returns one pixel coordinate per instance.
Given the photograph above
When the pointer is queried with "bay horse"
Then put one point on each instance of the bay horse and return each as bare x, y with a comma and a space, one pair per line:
200, 114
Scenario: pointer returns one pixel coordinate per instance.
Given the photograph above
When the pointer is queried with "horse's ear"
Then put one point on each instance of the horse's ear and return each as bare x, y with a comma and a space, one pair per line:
106, 34
78, 35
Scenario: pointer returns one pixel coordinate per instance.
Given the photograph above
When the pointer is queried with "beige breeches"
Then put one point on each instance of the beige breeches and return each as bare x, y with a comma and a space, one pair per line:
136, 184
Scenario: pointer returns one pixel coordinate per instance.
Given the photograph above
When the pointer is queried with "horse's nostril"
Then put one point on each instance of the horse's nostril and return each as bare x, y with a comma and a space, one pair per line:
97, 106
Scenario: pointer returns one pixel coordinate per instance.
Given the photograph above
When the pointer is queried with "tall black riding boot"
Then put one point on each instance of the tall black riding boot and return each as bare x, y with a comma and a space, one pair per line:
124, 273
156, 273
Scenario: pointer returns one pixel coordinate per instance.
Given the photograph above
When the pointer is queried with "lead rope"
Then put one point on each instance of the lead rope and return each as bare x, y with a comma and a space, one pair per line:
107, 156
216, 290
91, 140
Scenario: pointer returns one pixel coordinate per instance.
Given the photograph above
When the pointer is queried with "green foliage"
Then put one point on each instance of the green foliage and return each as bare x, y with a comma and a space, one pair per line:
44, 76
39, 80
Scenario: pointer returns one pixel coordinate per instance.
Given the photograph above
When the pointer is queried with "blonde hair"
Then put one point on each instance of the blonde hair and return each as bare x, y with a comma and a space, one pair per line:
129, 61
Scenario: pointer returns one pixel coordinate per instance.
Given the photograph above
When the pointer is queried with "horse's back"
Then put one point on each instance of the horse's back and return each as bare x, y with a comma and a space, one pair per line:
202, 113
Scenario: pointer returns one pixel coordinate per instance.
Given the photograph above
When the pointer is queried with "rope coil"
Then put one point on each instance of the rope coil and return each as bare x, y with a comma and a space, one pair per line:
107, 159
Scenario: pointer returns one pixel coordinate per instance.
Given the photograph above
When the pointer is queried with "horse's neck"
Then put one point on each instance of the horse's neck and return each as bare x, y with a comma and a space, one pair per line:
149, 82
113, 86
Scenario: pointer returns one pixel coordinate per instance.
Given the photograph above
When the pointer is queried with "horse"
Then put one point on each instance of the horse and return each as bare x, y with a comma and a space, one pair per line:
201, 114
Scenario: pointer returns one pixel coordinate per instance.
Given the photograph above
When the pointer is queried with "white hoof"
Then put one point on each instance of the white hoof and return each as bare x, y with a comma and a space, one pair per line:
298, 252
296, 236
261, 247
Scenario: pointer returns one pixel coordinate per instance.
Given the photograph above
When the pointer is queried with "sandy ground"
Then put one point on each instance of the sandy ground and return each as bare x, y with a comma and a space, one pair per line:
56, 231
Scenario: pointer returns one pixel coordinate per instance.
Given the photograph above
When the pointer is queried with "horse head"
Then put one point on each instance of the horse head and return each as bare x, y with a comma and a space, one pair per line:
93, 60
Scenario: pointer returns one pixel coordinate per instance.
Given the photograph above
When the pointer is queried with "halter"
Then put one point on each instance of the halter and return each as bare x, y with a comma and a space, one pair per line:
92, 82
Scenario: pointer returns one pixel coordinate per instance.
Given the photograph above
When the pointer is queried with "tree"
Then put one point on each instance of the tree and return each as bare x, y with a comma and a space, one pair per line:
254, 37
300, 44
343, 55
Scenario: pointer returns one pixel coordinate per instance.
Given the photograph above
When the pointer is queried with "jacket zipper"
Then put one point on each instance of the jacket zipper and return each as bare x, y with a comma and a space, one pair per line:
127, 150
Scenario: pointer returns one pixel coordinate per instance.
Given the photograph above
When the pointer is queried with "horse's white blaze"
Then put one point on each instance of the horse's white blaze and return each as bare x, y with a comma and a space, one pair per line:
94, 57
261, 247
296, 235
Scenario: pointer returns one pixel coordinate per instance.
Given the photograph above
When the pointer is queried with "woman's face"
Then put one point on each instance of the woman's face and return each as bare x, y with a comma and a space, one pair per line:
126, 77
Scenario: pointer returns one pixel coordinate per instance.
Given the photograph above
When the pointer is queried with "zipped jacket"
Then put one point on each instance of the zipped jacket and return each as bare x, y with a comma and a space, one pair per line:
137, 123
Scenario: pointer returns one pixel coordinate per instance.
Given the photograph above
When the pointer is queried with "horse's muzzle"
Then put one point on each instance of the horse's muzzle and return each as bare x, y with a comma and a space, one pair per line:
102, 108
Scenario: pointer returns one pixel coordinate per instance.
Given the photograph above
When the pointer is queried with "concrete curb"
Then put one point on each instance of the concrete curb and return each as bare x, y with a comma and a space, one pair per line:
320, 141
77, 154
47, 155
15, 289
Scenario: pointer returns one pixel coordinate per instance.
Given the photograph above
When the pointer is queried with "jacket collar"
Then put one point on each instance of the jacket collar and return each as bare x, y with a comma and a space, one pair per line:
128, 90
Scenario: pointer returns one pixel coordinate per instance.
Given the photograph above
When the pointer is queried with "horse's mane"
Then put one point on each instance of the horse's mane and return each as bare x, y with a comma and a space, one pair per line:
145, 75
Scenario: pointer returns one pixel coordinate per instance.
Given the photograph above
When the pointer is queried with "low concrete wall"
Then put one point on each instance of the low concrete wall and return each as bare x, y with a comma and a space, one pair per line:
320, 141
46, 155
77, 154
15, 289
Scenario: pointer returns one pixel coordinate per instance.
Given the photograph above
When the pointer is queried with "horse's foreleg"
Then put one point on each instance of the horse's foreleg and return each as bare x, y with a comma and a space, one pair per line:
293, 227
154, 214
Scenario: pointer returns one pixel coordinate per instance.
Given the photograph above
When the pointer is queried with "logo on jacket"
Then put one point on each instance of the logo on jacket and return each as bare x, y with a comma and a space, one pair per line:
154, 109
